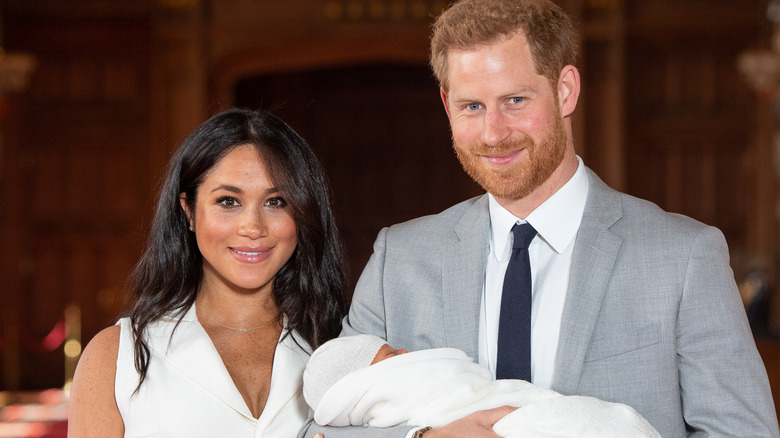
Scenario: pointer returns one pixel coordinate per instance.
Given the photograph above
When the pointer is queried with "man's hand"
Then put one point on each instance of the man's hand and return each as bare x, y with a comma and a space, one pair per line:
478, 424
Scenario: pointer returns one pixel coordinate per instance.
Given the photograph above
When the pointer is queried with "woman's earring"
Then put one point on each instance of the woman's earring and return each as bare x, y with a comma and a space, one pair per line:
192, 229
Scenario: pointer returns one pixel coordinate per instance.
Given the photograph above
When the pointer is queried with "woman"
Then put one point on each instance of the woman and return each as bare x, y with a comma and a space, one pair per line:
242, 276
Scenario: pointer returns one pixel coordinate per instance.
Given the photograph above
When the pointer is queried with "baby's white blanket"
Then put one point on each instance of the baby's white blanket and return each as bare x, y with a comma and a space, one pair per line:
435, 387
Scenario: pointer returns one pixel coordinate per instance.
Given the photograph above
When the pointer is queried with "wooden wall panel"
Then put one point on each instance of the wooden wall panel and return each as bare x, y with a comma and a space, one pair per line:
689, 115
81, 146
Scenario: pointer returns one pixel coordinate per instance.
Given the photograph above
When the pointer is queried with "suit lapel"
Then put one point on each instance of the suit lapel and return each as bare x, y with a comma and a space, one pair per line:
463, 276
595, 251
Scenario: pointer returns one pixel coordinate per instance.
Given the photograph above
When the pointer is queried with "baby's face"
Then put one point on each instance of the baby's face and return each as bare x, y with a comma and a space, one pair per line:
386, 351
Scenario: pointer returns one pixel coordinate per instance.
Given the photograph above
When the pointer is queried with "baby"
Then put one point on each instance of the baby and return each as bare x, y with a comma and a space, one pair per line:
362, 380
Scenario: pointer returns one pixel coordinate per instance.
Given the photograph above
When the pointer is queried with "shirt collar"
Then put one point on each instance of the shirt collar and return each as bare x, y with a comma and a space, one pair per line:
556, 220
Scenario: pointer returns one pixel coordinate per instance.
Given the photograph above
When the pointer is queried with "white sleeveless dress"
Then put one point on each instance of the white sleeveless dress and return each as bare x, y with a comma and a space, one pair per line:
188, 392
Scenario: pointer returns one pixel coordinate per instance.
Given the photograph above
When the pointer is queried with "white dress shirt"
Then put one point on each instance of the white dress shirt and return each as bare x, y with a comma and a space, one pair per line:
556, 222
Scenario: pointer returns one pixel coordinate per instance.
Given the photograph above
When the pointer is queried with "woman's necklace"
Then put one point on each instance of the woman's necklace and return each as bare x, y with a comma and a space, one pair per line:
240, 330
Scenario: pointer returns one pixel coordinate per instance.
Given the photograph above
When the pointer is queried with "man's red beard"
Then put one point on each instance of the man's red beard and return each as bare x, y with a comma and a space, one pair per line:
518, 180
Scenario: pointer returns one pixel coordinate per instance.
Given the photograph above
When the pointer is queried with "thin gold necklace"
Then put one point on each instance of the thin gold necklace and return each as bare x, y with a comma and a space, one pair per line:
240, 330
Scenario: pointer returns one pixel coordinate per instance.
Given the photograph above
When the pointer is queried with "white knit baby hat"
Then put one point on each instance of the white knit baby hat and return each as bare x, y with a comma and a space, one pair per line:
334, 360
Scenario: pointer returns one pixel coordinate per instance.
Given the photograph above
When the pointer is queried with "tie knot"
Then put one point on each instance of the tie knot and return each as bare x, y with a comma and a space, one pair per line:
524, 234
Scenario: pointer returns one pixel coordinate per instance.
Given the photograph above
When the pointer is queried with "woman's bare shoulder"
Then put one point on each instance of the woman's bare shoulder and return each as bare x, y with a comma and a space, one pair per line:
99, 357
92, 408
106, 342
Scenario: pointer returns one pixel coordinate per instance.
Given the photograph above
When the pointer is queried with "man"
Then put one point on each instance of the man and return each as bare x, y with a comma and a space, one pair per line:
630, 304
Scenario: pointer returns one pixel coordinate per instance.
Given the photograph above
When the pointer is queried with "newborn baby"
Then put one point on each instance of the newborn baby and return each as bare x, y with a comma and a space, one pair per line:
362, 380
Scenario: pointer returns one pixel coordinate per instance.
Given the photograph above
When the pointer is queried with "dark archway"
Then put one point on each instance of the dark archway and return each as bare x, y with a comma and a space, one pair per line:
382, 135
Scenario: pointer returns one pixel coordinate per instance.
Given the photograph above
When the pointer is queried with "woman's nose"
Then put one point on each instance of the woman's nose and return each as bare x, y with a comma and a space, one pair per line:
252, 224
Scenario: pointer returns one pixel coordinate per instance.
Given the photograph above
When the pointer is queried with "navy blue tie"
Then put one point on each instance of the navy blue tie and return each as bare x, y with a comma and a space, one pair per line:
513, 360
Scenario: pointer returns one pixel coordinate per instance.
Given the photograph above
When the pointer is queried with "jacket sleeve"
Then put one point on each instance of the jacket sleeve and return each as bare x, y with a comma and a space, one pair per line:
367, 309
724, 386
311, 428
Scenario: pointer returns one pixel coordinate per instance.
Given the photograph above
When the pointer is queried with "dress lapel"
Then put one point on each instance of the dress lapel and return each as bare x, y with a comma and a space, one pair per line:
286, 377
192, 353
463, 276
595, 251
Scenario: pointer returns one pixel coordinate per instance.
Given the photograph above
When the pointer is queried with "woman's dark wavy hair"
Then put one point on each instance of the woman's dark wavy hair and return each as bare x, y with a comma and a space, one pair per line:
309, 288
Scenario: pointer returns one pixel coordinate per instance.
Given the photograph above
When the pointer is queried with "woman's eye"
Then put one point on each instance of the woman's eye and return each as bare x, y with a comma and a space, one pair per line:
228, 202
276, 202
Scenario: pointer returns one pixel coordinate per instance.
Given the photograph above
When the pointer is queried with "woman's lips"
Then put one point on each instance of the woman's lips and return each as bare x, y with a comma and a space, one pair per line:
251, 255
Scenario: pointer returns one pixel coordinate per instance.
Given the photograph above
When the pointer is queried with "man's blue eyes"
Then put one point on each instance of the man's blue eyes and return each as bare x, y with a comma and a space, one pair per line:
476, 106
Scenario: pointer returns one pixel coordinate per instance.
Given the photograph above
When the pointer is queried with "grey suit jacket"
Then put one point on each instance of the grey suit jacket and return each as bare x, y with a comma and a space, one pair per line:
652, 317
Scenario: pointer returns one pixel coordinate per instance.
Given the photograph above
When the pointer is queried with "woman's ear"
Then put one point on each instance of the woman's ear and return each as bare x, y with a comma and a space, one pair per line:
185, 205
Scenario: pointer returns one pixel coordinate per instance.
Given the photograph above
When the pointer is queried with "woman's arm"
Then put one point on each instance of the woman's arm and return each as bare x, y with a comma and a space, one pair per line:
92, 410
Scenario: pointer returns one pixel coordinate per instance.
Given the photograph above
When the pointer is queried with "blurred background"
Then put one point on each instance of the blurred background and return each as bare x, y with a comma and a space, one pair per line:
679, 106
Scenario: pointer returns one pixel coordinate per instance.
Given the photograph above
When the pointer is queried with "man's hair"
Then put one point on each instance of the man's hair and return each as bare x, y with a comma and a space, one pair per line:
469, 24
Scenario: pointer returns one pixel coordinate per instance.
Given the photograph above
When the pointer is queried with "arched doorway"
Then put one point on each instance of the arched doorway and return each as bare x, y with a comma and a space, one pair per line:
382, 135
